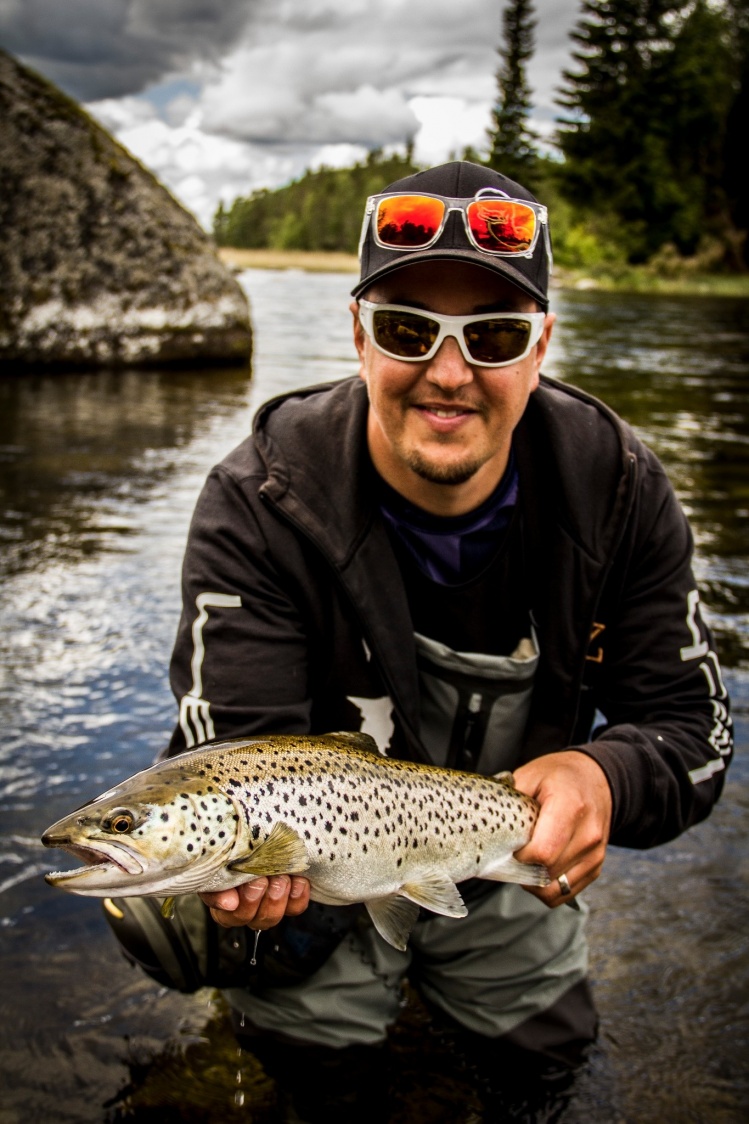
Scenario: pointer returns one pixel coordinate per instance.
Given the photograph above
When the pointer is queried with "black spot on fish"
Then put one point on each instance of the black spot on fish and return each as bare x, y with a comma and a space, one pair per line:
190, 847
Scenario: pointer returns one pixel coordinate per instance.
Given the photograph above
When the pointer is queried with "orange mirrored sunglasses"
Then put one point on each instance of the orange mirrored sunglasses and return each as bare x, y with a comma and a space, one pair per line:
494, 223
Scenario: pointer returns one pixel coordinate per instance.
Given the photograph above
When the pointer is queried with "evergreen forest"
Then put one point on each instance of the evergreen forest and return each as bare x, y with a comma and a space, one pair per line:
647, 159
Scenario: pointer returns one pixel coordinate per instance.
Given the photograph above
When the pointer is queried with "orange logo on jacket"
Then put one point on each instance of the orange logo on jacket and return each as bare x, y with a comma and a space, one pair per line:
594, 634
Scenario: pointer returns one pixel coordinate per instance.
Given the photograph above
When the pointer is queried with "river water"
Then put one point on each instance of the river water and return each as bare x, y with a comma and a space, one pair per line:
98, 476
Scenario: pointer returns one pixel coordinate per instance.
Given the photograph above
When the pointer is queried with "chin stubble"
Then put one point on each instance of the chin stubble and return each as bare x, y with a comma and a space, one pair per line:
442, 474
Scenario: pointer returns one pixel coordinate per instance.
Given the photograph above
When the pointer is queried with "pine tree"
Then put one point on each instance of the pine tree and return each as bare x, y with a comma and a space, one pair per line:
646, 113
734, 141
512, 141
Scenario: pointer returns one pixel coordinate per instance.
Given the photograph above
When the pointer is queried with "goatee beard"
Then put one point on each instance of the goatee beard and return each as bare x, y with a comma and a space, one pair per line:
442, 473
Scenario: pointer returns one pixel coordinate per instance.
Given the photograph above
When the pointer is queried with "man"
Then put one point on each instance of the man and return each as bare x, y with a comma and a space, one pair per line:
482, 568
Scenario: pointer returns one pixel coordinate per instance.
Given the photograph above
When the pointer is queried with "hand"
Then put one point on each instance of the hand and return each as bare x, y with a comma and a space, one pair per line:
261, 903
573, 826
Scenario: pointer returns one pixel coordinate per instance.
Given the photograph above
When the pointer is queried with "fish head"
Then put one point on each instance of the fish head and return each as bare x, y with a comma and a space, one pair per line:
159, 828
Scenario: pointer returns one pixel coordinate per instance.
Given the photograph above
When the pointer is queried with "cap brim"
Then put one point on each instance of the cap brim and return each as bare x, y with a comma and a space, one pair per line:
502, 266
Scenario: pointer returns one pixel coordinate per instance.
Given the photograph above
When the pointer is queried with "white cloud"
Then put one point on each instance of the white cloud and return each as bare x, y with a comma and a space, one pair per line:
448, 125
219, 97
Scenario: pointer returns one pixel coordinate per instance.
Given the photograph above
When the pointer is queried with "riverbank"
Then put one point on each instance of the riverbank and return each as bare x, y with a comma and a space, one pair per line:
311, 261
623, 279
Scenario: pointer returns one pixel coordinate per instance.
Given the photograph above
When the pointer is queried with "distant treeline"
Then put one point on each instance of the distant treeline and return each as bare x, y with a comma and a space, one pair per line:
649, 154
321, 211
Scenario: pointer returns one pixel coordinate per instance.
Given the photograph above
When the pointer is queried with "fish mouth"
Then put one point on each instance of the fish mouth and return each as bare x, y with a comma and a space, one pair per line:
96, 861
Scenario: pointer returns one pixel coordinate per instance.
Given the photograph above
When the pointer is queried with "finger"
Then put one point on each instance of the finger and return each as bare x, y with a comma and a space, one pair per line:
578, 877
248, 898
272, 905
221, 899
298, 897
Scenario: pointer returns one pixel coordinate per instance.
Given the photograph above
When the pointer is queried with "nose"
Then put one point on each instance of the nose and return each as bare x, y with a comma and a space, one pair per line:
448, 369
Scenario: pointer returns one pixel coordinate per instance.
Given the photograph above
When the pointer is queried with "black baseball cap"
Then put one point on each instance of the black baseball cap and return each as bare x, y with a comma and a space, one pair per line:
459, 179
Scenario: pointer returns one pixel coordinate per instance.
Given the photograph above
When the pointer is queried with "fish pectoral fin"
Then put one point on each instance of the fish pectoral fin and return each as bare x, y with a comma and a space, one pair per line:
283, 852
393, 917
437, 893
167, 909
511, 870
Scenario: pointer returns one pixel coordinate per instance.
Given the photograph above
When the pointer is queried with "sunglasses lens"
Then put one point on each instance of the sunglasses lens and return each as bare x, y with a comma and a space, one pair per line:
496, 341
409, 220
501, 225
404, 334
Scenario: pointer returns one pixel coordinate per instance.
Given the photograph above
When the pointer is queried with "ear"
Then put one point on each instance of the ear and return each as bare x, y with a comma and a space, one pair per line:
359, 334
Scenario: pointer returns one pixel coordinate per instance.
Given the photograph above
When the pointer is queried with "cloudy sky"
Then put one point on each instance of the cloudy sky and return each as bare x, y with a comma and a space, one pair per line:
219, 97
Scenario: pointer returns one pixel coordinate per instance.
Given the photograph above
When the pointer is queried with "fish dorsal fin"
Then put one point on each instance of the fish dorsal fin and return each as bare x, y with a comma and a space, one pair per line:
436, 892
283, 852
355, 741
393, 917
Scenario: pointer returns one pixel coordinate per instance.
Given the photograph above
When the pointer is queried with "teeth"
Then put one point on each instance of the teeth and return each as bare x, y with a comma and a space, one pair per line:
446, 413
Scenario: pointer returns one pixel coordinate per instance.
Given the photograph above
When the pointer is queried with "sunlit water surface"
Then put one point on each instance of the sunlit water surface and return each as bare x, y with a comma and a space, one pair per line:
98, 477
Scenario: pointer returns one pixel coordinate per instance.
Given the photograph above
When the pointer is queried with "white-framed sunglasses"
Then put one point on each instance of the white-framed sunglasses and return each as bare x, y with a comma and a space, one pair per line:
494, 339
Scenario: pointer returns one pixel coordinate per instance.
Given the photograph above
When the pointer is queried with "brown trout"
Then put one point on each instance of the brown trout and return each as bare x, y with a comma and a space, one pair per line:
361, 827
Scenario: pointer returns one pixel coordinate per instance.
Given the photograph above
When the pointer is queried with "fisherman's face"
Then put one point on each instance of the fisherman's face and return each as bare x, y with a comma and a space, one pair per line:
440, 431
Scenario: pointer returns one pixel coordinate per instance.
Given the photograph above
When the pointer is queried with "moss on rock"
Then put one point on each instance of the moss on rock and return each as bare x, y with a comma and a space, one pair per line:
99, 264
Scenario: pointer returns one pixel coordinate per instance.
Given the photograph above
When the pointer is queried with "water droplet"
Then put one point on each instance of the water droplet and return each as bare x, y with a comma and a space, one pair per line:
241, 1020
239, 1098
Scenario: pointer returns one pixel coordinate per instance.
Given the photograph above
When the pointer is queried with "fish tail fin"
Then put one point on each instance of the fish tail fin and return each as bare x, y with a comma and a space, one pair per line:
511, 870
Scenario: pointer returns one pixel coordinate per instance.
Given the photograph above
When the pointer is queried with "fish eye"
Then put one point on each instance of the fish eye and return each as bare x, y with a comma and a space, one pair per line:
121, 822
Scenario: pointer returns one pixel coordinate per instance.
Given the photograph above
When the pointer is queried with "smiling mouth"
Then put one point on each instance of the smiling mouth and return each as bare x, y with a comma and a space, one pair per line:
447, 411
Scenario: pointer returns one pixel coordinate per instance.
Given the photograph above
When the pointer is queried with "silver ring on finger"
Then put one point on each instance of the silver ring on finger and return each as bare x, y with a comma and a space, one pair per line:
564, 885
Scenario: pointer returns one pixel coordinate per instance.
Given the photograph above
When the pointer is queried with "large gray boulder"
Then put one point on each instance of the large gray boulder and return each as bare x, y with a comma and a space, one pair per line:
99, 265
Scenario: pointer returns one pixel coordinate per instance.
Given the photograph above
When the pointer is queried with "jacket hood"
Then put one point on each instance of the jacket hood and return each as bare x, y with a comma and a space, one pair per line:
300, 437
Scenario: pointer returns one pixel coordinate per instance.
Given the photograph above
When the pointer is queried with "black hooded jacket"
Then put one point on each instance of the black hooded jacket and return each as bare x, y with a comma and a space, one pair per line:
295, 613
